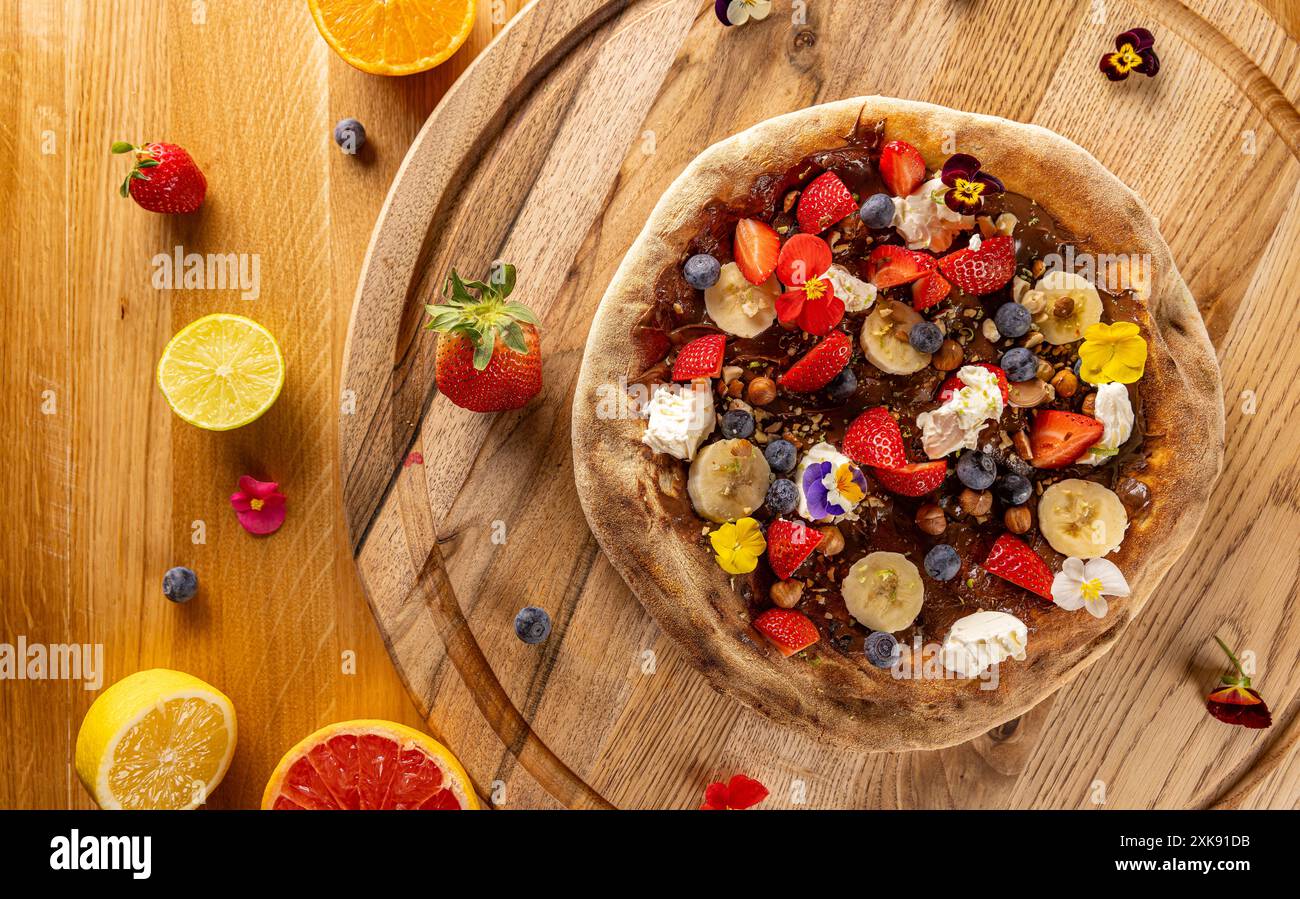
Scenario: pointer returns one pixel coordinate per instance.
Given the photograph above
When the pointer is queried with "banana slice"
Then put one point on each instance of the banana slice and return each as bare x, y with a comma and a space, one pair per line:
885, 347
1072, 304
728, 480
741, 308
883, 591
1082, 518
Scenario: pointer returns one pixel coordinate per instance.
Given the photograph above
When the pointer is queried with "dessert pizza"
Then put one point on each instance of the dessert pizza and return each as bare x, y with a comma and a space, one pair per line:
894, 416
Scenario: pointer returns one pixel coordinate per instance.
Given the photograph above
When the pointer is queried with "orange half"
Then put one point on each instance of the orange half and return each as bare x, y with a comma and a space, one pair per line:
369, 764
394, 37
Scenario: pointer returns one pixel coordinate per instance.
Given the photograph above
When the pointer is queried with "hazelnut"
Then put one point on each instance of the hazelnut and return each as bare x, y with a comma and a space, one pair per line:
975, 502
1063, 307
1021, 442
1089, 404
735, 388
1028, 394
832, 540
1038, 268
901, 334
1045, 370
931, 520
1066, 383
1018, 519
761, 391
949, 356
786, 594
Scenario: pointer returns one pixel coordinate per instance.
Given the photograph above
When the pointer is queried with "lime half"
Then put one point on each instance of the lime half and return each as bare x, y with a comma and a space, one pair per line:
221, 372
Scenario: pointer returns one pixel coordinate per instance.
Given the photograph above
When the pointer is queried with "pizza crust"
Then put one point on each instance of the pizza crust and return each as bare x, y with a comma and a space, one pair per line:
842, 700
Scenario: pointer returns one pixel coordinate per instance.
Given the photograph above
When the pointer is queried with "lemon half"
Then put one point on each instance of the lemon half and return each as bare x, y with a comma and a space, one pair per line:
221, 372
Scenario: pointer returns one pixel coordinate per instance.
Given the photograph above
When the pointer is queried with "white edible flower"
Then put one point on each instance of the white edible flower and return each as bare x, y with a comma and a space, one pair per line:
1081, 584
741, 11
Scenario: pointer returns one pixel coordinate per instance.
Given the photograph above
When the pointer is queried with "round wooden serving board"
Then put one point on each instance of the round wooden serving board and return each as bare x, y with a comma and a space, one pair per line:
550, 152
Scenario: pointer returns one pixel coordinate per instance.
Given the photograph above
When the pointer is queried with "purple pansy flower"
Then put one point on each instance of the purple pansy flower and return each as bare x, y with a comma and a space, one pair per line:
966, 184
1134, 52
831, 491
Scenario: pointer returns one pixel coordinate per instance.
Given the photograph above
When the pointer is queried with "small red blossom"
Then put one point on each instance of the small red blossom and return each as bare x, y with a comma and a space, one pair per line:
740, 792
967, 185
413, 459
1134, 52
1234, 701
812, 305
258, 505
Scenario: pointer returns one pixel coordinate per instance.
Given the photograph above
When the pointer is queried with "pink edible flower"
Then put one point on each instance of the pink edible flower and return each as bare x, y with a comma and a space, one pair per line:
258, 505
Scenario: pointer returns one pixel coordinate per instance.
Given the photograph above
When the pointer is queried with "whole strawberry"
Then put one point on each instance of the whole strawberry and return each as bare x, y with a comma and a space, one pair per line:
164, 178
489, 352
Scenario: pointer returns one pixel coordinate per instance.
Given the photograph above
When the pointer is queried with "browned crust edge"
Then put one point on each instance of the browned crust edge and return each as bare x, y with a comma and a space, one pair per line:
843, 701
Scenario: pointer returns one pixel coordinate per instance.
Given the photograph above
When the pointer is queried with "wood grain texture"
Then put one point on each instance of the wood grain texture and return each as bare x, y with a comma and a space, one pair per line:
561, 180
104, 490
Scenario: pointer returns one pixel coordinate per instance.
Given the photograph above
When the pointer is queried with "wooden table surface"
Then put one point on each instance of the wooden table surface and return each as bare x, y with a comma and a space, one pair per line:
104, 490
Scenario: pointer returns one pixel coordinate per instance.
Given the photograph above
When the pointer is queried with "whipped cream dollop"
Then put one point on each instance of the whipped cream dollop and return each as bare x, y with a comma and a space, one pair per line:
856, 294
681, 416
840, 463
925, 222
1115, 412
957, 423
979, 641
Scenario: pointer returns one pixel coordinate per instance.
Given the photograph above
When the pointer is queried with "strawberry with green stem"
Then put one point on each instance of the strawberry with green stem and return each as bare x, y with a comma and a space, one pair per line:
163, 179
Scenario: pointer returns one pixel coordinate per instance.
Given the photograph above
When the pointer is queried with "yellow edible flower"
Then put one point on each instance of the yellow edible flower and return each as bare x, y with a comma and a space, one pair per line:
1112, 353
737, 545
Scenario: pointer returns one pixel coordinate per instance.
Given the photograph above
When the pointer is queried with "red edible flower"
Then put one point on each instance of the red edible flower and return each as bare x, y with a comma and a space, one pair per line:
812, 305
1234, 702
1134, 52
415, 458
967, 185
258, 505
740, 792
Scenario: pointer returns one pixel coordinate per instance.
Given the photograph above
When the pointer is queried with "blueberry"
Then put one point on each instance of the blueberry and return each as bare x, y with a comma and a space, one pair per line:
737, 423
1014, 489
1019, 364
882, 649
1013, 320
532, 625
843, 386
782, 497
976, 470
701, 271
942, 562
925, 337
781, 456
180, 584
877, 211
350, 135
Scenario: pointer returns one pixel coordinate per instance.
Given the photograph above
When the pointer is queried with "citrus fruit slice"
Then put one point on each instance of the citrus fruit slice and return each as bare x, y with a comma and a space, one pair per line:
158, 739
369, 764
221, 372
394, 37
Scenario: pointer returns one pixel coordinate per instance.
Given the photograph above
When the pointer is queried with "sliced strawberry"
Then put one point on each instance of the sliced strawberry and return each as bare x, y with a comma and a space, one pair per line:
701, 358
823, 203
891, 265
984, 270
1012, 560
916, 479
929, 290
1059, 438
953, 383
804, 256
875, 439
902, 167
757, 248
789, 543
820, 365
788, 630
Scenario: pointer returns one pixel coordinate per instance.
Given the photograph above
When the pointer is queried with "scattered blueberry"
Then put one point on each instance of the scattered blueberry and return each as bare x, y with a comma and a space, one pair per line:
843, 386
701, 271
1013, 320
877, 211
180, 584
977, 470
1019, 364
882, 649
532, 625
942, 562
925, 337
782, 497
1014, 489
781, 456
350, 135
737, 423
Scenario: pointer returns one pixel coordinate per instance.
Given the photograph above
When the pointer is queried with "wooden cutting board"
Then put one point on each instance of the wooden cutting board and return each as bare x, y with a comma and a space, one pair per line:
551, 151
